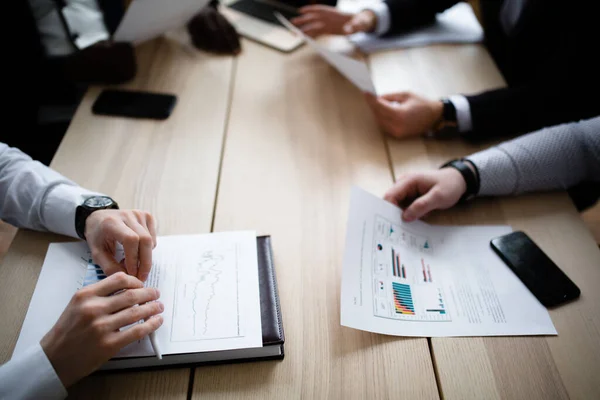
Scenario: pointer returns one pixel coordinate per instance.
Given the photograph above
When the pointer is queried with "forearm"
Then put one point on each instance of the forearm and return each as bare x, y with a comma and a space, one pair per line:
36, 197
521, 109
553, 158
411, 14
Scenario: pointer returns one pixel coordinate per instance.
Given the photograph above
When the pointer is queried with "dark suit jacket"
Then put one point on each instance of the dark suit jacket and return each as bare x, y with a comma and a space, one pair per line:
547, 61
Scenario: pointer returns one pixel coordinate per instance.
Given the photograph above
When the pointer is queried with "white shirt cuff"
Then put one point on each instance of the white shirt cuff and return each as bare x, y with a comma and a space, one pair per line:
86, 22
384, 18
41, 381
59, 208
463, 112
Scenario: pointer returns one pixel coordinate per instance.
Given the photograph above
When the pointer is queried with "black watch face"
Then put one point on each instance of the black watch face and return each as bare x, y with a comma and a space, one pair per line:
99, 202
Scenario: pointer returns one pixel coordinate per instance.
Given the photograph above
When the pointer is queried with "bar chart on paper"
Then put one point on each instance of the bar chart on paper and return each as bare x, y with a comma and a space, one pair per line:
404, 280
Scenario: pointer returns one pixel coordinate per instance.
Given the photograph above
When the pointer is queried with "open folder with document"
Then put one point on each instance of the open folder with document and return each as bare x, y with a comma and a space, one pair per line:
416, 279
219, 292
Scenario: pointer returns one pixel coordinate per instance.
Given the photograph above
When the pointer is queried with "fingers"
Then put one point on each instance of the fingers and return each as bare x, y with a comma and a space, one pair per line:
138, 332
402, 190
304, 19
149, 223
398, 97
145, 245
130, 241
313, 29
130, 298
114, 283
106, 260
423, 205
132, 315
358, 23
315, 8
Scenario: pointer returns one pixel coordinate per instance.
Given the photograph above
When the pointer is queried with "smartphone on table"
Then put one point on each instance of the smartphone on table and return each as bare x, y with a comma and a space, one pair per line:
535, 269
134, 104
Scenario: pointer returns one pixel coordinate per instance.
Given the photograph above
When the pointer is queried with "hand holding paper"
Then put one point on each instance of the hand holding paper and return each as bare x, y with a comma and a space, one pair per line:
355, 71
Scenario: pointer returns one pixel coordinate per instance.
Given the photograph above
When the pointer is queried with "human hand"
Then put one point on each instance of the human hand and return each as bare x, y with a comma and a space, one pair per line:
317, 20
134, 229
211, 31
87, 334
405, 114
421, 193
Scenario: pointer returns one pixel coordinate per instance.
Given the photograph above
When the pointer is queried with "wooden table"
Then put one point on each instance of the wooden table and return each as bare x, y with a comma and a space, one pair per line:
273, 142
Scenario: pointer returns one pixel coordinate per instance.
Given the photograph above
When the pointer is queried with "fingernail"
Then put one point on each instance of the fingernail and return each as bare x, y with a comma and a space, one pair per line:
157, 293
408, 217
161, 306
144, 277
160, 319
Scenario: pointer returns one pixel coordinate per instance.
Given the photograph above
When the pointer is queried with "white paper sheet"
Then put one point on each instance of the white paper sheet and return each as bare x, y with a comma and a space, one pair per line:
147, 19
208, 284
458, 24
354, 70
415, 279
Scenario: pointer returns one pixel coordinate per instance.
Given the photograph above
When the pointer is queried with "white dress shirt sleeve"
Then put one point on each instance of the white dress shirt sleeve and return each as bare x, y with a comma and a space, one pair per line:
83, 17
36, 197
463, 112
384, 18
30, 376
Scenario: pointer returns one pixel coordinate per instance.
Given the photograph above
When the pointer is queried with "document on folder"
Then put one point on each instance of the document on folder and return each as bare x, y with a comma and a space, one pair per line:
416, 279
355, 71
208, 284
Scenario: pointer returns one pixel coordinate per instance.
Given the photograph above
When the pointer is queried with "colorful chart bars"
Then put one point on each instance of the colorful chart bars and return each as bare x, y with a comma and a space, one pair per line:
93, 273
397, 268
403, 301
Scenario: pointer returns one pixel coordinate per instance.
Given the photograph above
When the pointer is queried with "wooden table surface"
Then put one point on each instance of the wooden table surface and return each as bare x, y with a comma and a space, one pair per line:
273, 142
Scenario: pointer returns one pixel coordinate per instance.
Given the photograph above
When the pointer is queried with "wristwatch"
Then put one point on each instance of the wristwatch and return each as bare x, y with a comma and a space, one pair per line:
91, 204
471, 177
447, 125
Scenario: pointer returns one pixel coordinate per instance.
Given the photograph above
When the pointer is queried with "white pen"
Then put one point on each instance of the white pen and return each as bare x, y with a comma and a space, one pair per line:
154, 342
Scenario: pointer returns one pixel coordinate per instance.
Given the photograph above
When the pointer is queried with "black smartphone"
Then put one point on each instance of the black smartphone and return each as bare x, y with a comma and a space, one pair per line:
535, 269
134, 104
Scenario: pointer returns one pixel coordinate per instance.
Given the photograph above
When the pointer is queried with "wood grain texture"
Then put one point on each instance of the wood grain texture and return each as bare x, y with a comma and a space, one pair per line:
299, 136
510, 367
7, 233
592, 220
169, 168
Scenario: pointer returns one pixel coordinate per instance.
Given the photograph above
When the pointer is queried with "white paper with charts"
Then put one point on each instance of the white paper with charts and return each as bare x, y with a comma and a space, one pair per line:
208, 284
415, 279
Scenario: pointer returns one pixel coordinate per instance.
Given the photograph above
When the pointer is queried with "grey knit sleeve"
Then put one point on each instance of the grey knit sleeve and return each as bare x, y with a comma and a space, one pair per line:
552, 158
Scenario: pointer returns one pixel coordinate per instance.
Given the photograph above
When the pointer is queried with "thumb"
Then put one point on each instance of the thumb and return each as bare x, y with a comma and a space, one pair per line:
356, 24
397, 97
107, 262
423, 205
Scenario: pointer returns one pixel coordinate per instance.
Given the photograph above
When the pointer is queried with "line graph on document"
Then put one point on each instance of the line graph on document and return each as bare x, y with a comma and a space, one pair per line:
206, 296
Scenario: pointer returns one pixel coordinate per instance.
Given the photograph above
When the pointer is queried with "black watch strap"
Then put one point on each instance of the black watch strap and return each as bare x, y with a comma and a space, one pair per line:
83, 211
471, 177
447, 126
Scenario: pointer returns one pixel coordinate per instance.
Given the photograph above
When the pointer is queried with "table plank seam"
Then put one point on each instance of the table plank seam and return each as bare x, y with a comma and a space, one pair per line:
224, 140
436, 372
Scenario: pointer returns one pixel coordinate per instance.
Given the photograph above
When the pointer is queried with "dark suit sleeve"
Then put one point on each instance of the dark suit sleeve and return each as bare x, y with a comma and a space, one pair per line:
410, 14
513, 111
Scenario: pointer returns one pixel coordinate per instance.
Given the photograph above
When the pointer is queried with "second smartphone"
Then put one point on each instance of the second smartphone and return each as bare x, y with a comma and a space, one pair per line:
134, 104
